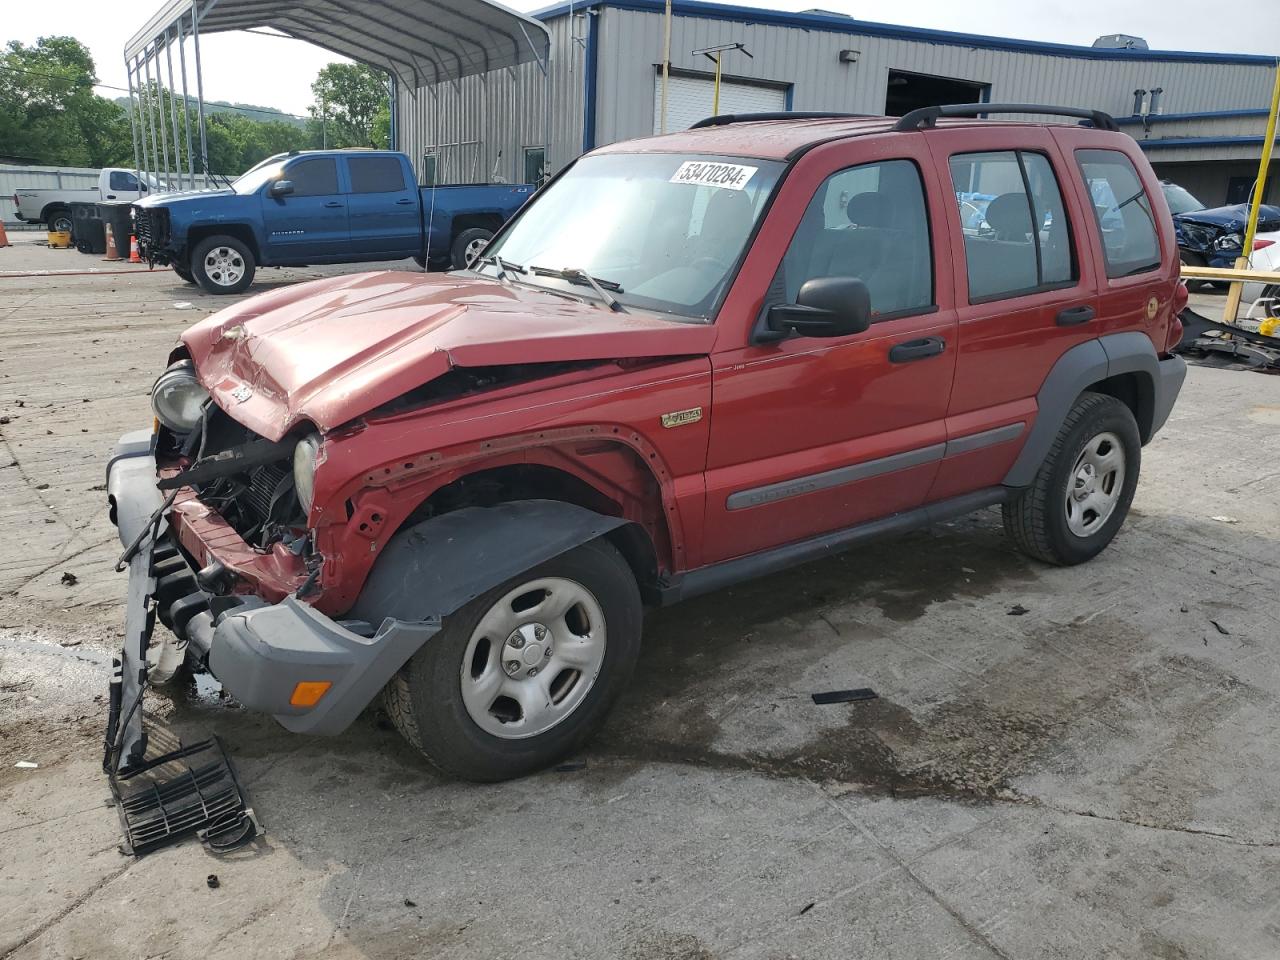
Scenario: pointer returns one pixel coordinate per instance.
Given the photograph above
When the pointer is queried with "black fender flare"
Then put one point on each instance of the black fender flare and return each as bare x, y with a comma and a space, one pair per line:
1075, 371
433, 568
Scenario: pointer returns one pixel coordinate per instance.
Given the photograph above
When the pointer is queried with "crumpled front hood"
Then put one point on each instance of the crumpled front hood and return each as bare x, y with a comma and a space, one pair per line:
1234, 218
330, 350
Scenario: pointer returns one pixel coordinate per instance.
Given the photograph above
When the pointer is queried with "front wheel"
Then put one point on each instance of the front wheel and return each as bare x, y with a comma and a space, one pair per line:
1270, 300
223, 265
1187, 259
524, 674
1082, 492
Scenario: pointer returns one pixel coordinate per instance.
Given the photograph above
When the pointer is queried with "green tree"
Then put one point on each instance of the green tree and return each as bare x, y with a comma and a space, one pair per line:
349, 99
236, 143
49, 112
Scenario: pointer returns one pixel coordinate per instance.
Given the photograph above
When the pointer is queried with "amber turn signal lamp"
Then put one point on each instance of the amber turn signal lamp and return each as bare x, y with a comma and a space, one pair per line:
308, 692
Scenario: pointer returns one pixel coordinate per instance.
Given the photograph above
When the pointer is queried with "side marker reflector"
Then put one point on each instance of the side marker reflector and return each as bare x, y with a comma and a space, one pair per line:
308, 692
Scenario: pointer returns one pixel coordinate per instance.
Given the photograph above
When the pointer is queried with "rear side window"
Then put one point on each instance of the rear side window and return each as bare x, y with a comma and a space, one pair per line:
313, 178
376, 174
120, 180
1123, 210
867, 222
1017, 239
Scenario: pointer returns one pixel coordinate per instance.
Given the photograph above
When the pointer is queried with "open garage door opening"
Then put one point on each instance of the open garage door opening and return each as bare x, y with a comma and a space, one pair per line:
910, 91
690, 98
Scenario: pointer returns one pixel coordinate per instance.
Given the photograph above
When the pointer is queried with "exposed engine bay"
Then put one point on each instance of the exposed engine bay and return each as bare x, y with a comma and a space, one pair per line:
247, 479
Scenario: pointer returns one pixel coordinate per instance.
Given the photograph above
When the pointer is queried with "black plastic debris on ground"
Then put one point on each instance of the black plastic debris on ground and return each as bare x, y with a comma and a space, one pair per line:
845, 696
190, 790
1223, 345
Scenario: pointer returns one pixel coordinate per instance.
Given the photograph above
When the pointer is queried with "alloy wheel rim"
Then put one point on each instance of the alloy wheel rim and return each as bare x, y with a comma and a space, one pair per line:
1094, 485
1270, 300
533, 658
472, 251
224, 266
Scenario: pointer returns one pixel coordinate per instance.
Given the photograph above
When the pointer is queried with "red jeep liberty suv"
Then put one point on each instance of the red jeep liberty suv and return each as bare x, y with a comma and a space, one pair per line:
689, 360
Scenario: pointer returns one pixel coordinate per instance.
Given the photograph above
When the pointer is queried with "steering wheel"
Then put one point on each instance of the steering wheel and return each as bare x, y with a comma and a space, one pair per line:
713, 261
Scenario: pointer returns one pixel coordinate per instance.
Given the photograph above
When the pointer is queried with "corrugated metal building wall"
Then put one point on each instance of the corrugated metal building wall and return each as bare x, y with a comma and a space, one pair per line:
802, 54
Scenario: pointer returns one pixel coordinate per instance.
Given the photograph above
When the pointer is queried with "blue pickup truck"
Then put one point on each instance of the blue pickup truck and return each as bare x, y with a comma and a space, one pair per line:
320, 206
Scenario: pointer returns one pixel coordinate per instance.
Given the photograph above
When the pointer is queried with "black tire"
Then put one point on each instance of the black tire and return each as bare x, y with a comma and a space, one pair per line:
183, 271
426, 696
240, 259
1036, 517
59, 219
1271, 293
458, 253
1188, 259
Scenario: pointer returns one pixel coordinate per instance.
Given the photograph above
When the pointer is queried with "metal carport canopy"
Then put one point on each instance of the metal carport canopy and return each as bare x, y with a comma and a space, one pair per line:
420, 42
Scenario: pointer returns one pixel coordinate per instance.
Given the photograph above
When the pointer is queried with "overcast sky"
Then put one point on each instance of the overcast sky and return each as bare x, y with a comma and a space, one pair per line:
276, 72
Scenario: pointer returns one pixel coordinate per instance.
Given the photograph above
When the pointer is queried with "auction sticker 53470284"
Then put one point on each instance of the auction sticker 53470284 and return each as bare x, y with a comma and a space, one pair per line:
730, 176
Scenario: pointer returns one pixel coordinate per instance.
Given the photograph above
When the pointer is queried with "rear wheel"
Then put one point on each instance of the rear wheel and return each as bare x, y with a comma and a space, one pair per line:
524, 674
60, 220
468, 245
1082, 492
223, 265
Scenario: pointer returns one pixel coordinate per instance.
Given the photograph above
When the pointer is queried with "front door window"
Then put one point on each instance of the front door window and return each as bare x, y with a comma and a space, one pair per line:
867, 222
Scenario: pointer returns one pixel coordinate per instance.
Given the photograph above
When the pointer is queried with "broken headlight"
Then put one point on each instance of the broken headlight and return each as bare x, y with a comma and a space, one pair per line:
177, 397
304, 469
1231, 241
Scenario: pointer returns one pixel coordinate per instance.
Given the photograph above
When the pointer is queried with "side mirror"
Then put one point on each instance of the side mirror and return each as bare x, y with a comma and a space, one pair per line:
824, 307
281, 188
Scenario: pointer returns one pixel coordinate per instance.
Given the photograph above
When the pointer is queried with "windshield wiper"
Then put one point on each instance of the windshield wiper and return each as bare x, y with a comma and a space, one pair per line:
579, 276
502, 265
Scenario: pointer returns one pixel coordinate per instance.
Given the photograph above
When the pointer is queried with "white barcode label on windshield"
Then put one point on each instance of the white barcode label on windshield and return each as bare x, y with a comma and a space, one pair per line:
730, 176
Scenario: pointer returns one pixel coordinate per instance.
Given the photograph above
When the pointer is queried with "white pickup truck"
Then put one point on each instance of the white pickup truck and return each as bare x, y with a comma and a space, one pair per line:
53, 207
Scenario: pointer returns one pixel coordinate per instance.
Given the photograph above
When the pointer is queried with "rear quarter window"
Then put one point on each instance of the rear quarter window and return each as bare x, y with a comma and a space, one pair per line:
376, 174
1122, 208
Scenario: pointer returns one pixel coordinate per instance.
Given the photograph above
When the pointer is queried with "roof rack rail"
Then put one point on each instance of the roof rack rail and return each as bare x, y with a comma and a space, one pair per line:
723, 119
927, 117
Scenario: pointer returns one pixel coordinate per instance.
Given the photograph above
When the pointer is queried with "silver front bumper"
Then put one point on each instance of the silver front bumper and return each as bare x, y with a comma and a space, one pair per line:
134, 500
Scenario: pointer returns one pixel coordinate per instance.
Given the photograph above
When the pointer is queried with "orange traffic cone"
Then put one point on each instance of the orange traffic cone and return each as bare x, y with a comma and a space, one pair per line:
134, 257
112, 252
4, 237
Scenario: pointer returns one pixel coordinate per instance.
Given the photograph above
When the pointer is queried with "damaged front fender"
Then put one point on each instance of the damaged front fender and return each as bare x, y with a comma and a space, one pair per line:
441, 564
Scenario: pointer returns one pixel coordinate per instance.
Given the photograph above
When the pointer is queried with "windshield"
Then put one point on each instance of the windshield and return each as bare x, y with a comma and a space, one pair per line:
1180, 200
662, 231
255, 177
